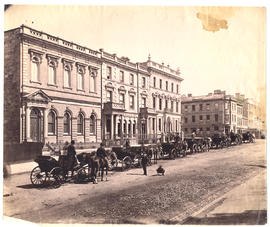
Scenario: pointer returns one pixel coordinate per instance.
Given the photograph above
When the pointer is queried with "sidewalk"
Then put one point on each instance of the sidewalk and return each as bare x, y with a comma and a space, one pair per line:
27, 166
245, 204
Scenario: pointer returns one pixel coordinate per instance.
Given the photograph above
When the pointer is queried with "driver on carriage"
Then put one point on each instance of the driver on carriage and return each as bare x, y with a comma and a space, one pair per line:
101, 153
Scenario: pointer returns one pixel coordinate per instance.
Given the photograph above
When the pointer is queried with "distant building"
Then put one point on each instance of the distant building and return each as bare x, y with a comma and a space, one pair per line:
211, 114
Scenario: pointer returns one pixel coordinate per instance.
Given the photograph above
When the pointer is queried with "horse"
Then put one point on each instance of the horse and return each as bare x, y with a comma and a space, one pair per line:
95, 163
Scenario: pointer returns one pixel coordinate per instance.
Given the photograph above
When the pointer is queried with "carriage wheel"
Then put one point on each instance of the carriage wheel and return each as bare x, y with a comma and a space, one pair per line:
38, 177
82, 174
127, 161
58, 174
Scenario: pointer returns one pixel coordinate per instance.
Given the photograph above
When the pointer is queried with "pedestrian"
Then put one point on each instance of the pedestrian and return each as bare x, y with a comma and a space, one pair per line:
71, 156
144, 163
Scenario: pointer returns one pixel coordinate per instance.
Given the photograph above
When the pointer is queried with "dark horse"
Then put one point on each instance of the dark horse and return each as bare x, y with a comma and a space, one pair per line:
95, 164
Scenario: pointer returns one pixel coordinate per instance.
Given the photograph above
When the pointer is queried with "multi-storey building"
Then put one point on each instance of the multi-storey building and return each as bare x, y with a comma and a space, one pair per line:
51, 91
56, 91
211, 114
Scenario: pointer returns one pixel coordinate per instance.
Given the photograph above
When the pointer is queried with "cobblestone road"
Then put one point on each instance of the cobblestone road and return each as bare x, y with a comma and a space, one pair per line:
129, 197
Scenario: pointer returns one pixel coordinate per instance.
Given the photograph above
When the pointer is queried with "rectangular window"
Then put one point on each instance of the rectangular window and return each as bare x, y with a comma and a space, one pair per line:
172, 87
186, 130
109, 96
160, 104
172, 105
154, 102
201, 105
131, 79
66, 78
143, 82
131, 102
193, 118
93, 87
166, 85
177, 107
154, 82
122, 98
186, 120
216, 117
207, 129
122, 79
153, 124
160, 83
109, 72
51, 76
216, 128
207, 106
207, 117
35, 71
186, 108
193, 107
143, 102
159, 124
80, 84
201, 117
166, 104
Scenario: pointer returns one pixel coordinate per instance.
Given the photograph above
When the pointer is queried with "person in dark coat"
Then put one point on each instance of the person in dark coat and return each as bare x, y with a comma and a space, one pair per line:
71, 156
144, 163
101, 151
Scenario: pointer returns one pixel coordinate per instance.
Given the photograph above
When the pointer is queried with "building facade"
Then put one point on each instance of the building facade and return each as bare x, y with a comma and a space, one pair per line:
57, 91
211, 114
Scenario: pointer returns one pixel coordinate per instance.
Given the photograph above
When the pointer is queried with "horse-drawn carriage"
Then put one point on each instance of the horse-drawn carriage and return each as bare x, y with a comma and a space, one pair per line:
220, 141
197, 144
248, 137
236, 138
131, 156
173, 149
52, 172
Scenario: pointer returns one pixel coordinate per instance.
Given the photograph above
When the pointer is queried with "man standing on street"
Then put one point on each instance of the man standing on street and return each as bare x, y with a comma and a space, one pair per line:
144, 163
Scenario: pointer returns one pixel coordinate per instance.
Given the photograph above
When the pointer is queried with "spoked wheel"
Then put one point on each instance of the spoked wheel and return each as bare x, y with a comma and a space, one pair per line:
127, 162
56, 176
38, 177
82, 174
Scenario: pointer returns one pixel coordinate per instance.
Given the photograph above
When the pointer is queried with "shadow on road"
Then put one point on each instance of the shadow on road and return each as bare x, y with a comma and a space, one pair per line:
250, 217
261, 166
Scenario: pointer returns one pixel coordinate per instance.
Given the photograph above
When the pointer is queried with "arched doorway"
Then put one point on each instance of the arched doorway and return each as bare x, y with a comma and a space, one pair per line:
35, 125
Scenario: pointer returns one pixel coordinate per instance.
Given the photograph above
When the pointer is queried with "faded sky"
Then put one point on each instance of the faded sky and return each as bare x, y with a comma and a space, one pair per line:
224, 50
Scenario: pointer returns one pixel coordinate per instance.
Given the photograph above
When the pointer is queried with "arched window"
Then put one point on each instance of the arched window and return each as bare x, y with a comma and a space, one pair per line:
35, 69
67, 72
51, 73
51, 123
80, 124
66, 124
92, 124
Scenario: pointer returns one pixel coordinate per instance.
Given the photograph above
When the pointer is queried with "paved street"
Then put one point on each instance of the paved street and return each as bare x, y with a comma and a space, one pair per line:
190, 184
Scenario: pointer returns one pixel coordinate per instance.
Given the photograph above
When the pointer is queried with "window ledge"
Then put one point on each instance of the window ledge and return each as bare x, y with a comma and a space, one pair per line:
70, 88
52, 85
36, 82
51, 134
66, 134
80, 90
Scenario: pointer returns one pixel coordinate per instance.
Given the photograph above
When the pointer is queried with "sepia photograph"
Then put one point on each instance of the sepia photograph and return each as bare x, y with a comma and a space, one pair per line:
134, 114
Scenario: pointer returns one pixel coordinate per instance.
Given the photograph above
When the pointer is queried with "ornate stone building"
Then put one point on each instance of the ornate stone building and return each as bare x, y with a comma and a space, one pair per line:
56, 91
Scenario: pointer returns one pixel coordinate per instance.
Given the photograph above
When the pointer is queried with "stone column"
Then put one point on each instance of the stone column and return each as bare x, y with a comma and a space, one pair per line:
27, 128
45, 116
112, 128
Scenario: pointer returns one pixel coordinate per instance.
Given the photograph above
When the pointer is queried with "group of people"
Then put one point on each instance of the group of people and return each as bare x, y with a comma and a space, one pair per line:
68, 159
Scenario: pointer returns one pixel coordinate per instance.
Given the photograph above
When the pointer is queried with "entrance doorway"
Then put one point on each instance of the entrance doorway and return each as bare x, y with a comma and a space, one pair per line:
35, 125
